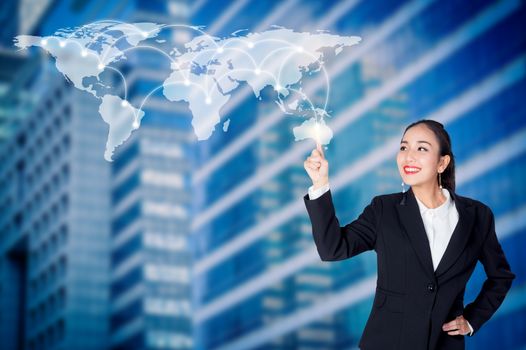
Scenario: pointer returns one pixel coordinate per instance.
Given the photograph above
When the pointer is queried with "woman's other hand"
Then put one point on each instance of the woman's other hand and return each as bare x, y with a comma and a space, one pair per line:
459, 326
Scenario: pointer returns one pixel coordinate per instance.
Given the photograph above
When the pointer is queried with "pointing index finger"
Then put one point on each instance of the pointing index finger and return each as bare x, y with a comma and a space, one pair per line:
320, 149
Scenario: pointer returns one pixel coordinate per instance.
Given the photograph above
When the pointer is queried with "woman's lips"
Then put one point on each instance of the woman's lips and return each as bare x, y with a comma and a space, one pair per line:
411, 169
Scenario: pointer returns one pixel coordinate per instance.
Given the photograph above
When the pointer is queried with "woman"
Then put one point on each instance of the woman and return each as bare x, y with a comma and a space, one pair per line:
428, 240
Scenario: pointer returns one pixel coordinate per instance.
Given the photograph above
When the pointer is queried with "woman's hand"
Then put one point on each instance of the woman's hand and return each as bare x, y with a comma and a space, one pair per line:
317, 167
459, 326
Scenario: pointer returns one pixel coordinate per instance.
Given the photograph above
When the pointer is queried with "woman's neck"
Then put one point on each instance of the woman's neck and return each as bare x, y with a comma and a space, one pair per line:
431, 195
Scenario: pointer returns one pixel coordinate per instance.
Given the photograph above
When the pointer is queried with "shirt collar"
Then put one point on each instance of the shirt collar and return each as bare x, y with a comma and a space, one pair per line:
440, 211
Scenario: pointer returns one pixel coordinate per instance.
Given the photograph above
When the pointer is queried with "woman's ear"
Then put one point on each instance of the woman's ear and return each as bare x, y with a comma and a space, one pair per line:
444, 162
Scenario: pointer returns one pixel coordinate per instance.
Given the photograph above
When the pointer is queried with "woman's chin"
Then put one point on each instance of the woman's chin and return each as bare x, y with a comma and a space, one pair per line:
412, 182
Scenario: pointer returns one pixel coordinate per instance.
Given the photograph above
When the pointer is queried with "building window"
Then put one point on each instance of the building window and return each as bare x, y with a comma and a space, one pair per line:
126, 314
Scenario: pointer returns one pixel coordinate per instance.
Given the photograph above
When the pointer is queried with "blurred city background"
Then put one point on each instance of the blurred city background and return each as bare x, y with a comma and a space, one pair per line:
180, 244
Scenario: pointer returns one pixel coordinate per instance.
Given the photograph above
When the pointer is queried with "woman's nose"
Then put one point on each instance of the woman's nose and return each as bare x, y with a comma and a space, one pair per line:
409, 156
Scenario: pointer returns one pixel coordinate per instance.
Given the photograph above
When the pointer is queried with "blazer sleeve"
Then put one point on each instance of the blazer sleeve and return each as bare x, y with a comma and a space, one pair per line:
498, 282
337, 243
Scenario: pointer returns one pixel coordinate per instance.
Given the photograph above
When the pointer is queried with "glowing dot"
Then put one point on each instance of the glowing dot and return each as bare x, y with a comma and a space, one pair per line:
299, 49
257, 71
136, 124
144, 34
62, 44
84, 53
278, 87
250, 44
208, 100
220, 49
100, 66
43, 42
187, 82
124, 103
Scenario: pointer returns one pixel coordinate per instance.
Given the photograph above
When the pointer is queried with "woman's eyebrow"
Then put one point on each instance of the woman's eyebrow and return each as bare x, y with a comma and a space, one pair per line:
403, 141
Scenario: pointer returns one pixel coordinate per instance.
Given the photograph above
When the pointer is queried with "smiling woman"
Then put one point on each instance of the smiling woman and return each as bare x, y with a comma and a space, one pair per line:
426, 160
428, 241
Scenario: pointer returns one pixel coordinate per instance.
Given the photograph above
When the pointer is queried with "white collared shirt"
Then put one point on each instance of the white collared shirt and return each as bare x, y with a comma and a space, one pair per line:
439, 223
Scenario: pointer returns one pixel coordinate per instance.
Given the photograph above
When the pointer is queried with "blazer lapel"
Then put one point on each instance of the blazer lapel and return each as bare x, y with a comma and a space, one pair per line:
460, 237
414, 227
413, 224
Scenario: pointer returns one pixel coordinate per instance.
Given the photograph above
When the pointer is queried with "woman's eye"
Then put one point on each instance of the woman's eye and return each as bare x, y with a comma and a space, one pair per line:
403, 148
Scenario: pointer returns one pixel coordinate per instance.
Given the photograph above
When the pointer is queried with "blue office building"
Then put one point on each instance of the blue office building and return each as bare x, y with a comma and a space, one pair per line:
150, 291
55, 225
94, 254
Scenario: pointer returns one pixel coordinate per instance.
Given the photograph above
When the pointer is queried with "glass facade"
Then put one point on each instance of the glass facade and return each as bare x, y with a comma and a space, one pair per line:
55, 235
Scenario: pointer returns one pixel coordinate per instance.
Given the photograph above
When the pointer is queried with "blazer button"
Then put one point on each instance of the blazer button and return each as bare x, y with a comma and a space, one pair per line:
431, 287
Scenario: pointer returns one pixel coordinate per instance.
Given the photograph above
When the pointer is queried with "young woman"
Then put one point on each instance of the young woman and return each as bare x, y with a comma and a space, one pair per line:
428, 240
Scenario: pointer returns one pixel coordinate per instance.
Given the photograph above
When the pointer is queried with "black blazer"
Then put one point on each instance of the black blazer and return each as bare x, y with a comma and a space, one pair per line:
412, 301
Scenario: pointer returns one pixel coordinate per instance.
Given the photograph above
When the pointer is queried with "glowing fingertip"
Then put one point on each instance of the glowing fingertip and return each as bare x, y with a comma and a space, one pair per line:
124, 103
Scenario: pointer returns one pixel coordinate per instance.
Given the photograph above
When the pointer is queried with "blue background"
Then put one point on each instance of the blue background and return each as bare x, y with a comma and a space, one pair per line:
185, 244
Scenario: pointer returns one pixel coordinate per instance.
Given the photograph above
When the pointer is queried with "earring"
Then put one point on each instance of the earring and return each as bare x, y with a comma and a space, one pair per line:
440, 180
403, 187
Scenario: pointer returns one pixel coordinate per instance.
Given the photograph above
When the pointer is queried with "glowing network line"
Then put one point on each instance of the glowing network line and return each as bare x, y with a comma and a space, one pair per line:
217, 49
220, 50
101, 66
252, 44
299, 49
195, 28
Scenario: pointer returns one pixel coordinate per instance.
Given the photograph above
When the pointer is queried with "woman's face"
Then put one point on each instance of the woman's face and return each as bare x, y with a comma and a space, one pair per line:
418, 158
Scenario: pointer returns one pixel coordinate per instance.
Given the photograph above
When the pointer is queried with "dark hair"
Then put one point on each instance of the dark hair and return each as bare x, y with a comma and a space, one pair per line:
444, 143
